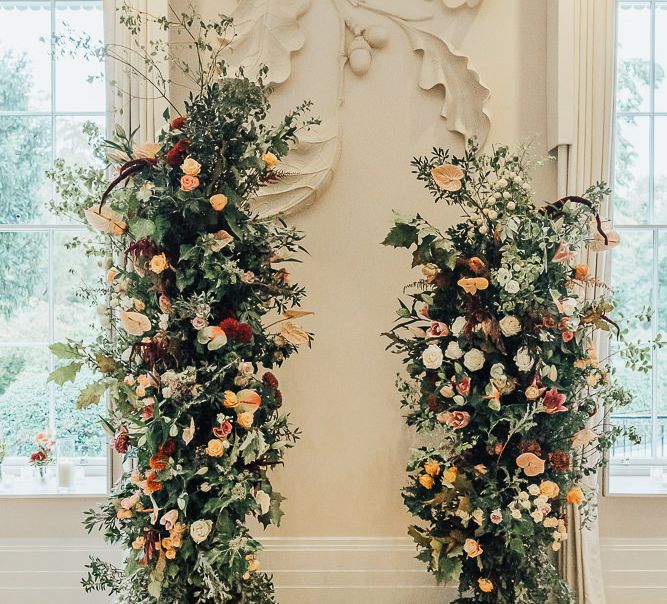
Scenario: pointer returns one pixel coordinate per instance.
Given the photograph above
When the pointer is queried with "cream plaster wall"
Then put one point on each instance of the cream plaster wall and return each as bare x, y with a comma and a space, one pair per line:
344, 478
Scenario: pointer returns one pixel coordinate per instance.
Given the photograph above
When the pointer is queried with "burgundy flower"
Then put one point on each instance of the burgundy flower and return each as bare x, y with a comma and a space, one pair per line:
168, 447
270, 380
177, 153
177, 123
121, 441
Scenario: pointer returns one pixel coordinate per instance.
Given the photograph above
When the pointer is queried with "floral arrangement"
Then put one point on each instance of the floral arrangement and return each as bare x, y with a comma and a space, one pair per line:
43, 456
200, 308
498, 342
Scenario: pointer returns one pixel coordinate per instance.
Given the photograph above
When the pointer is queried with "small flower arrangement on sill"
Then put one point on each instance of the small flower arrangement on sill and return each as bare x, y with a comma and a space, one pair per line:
43, 456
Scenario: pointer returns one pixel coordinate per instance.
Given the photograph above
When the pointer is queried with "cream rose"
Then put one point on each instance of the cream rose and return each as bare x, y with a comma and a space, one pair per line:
474, 359
524, 360
584, 437
453, 351
458, 325
510, 326
191, 166
432, 357
498, 372
200, 530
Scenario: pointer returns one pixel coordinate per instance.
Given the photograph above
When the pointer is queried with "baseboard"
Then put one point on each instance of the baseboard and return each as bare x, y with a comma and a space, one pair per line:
323, 570
354, 570
635, 570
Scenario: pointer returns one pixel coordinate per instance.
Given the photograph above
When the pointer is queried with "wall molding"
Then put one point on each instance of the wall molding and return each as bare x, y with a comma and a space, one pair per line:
326, 570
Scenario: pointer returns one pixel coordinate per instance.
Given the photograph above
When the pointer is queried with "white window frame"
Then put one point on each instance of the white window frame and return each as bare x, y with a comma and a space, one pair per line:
93, 465
652, 465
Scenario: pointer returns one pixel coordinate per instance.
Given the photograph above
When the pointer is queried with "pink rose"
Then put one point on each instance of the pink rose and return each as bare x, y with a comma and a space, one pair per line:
188, 182
223, 430
553, 402
437, 330
463, 387
457, 419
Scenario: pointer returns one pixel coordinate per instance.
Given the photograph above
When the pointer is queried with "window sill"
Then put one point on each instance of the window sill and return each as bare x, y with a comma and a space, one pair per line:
22, 486
637, 481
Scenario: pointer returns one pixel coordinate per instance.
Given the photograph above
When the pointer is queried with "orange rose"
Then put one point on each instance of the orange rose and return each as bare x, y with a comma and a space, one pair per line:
581, 271
575, 496
476, 265
485, 585
215, 448
450, 474
219, 202
159, 461
472, 548
189, 183
432, 468
426, 481
270, 159
231, 400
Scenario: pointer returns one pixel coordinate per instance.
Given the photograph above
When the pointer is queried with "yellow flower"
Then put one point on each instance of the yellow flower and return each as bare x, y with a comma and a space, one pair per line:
432, 468
426, 481
575, 496
191, 167
215, 448
447, 177
167, 543
219, 202
159, 263
472, 548
450, 474
485, 585
245, 419
549, 489
270, 159
231, 400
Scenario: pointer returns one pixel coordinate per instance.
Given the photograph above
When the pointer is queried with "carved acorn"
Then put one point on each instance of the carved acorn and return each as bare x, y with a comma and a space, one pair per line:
376, 36
359, 55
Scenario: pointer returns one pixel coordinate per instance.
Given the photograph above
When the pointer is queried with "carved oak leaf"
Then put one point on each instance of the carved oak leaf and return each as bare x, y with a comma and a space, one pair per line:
267, 32
458, 3
465, 95
310, 168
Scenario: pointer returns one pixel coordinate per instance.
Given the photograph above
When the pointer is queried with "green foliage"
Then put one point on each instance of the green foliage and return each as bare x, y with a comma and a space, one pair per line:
498, 345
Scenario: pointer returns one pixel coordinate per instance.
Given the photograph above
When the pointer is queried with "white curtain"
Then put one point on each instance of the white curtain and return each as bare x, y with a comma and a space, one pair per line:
131, 102
582, 162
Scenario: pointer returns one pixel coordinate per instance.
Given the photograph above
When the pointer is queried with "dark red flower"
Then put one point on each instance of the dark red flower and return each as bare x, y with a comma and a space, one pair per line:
244, 333
530, 446
39, 456
241, 332
559, 460
279, 398
168, 447
270, 380
121, 442
177, 153
432, 402
177, 123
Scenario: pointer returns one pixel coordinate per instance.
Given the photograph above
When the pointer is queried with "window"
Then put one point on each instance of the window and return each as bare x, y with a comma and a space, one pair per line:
44, 101
639, 266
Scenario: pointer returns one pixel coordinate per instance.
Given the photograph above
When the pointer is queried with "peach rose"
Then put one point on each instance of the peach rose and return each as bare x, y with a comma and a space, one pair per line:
549, 489
215, 448
472, 548
447, 177
485, 585
158, 263
450, 474
189, 183
457, 419
581, 271
432, 468
426, 481
230, 401
245, 419
575, 496
219, 202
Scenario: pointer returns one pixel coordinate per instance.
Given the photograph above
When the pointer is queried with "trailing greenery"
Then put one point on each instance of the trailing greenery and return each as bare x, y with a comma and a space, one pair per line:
499, 344
200, 309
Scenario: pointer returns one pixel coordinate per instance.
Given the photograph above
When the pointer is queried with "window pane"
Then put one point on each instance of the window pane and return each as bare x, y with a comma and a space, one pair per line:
26, 154
81, 425
74, 92
74, 316
660, 169
71, 141
24, 314
660, 57
624, 449
631, 170
633, 57
25, 61
24, 397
